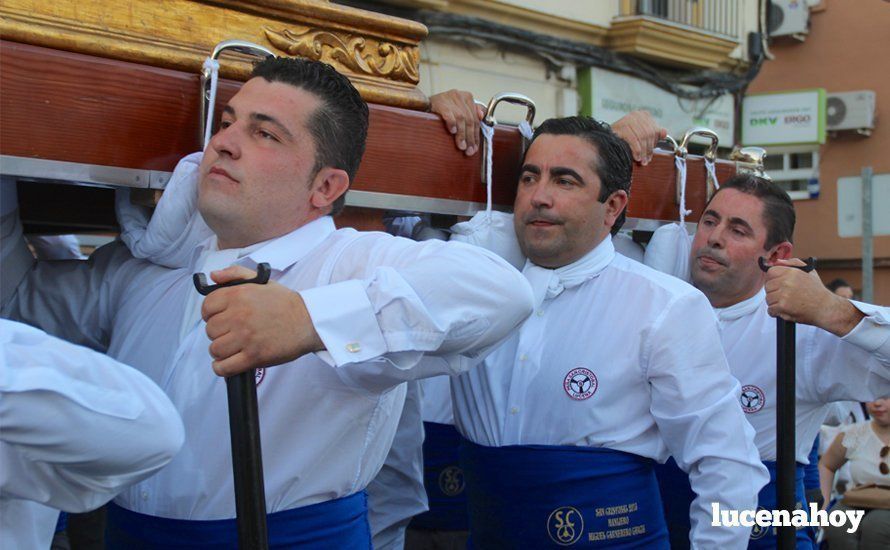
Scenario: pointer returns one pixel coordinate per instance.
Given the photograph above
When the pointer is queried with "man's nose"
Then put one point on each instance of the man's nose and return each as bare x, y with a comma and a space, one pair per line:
716, 236
225, 142
541, 196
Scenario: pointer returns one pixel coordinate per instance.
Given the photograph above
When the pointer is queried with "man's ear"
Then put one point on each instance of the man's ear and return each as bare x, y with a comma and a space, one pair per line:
329, 184
781, 251
615, 205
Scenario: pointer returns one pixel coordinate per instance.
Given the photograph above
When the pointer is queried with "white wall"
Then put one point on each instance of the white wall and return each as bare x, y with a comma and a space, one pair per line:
594, 12
486, 72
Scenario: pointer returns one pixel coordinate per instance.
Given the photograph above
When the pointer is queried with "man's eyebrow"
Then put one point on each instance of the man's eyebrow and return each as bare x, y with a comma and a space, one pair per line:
531, 168
260, 117
743, 223
557, 171
732, 220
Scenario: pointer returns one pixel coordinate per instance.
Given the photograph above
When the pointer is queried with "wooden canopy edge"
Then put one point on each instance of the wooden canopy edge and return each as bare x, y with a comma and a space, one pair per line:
379, 53
63, 106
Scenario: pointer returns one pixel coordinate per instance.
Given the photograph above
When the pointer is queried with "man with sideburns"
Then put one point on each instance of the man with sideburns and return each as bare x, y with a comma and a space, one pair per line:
362, 310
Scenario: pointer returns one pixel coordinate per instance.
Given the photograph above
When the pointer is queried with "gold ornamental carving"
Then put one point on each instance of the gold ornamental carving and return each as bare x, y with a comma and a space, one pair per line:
358, 54
379, 53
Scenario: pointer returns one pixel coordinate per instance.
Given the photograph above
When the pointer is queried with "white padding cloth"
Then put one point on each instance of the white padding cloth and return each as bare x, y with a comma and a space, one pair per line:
490, 229
168, 236
668, 250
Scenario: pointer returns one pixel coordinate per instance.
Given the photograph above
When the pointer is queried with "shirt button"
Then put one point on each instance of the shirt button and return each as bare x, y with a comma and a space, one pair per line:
144, 495
540, 313
523, 357
353, 347
514, 410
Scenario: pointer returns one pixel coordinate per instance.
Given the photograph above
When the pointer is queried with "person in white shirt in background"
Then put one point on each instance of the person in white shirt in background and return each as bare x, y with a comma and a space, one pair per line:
619, 366
367, 308
77, 427
843, 346
865, 446
841, 415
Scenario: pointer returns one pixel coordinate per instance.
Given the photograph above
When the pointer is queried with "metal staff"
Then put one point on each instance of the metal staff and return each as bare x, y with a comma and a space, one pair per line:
786, 395
244, 429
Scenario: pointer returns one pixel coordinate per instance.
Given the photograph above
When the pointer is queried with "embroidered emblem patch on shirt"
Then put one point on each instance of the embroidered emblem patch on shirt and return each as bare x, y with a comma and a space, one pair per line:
259, 374
752, 399
580, 384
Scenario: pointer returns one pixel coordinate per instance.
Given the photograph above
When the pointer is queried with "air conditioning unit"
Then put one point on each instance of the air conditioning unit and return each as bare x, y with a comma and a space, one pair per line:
789, 18
850, 111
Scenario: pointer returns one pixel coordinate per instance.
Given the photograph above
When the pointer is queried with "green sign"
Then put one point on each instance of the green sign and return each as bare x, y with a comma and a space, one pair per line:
784, 118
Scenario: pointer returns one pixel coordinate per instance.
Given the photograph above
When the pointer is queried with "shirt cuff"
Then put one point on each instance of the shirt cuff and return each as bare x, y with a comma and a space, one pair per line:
345, 321
873, 332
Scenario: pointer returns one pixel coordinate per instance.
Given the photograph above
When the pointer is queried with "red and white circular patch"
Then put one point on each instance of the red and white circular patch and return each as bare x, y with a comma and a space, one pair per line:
580, 384
752, 399
259, 374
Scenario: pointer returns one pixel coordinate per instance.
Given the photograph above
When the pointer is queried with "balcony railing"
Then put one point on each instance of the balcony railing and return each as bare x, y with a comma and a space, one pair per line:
716, 16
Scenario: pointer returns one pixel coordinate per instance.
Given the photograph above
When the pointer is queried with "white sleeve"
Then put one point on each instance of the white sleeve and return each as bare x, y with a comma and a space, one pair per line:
853, 368
391, 300
72, 299
15, 257
695, 402
78, 426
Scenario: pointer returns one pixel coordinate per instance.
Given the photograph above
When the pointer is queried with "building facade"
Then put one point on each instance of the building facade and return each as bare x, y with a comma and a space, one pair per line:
690, 63
842, 52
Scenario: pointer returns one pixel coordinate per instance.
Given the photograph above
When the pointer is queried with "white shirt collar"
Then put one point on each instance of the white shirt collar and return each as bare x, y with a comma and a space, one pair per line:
281, 252
739, 310
549, 283
285, 251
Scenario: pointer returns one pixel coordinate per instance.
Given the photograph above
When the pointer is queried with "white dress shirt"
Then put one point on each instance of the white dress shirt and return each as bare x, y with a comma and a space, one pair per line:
662, 386
77, 427
435, 400
379, 303
397, 493
855, 367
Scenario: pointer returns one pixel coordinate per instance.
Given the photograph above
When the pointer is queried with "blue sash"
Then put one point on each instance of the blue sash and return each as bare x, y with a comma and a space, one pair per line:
443, 480
677, 496
765, 539
536, 496
811, 470
62, 522
340, 523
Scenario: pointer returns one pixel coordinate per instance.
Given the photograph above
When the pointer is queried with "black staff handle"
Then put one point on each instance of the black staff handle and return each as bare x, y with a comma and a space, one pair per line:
786, 416
244, 429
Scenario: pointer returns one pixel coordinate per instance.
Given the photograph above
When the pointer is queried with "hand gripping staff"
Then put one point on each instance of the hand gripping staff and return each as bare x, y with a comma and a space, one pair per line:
785, 417
244, 429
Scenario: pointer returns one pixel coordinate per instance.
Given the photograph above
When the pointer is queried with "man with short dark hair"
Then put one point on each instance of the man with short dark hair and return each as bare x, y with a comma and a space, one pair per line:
618, 367
362, 310
843, 347
339, 126
764, 203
